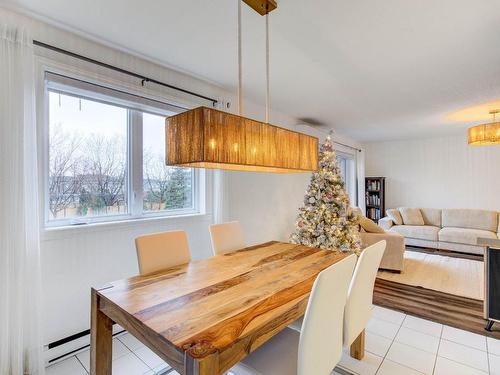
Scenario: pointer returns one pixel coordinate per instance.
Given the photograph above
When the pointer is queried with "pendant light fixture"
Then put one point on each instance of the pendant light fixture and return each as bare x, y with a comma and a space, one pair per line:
208, 138
485, 134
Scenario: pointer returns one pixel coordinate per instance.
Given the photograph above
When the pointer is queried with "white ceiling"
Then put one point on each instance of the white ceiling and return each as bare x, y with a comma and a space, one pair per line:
371, 69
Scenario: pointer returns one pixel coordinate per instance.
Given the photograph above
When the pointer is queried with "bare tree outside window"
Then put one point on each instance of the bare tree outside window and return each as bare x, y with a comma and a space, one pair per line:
64, 174
103, 175
156, 181
87, 158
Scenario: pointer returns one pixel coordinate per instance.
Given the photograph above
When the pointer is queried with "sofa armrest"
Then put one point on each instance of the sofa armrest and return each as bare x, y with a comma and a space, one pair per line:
386, 223
393, 258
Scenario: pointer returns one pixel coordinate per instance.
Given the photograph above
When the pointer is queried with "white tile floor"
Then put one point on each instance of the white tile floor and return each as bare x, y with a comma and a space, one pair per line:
396, 344
399, 344
130, 357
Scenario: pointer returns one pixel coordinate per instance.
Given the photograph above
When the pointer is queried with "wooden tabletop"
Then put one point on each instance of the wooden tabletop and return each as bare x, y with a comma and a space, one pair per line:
205, 316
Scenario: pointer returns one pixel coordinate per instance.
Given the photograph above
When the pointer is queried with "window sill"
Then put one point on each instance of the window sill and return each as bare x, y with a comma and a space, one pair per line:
53, 233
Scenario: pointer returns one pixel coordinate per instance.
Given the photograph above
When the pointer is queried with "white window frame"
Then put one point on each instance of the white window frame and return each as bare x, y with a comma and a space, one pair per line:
134, 182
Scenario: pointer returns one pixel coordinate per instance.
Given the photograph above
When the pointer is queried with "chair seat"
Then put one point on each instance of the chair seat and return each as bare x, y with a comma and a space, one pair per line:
277, 356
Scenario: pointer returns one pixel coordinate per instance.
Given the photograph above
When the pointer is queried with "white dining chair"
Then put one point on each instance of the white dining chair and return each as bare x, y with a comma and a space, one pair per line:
358, 308
359, 300
227, 237
159, 251
318, 347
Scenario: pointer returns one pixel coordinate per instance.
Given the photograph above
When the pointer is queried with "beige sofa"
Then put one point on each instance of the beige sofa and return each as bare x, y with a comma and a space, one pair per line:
448, 229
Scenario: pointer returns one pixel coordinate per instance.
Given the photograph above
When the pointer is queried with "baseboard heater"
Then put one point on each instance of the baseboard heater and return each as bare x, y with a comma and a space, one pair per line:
63, 348
72, 344
491, 281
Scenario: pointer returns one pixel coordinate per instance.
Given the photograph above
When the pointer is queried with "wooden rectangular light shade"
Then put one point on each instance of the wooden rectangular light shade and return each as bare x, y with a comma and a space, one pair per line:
208, 138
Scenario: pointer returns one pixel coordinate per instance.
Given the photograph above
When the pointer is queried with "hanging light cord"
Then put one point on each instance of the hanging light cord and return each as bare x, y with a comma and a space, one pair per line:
240, 74
240, 70
267, 68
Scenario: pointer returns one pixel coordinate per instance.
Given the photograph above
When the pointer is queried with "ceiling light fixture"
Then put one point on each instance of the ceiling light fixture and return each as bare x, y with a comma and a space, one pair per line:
485, 134
208, 138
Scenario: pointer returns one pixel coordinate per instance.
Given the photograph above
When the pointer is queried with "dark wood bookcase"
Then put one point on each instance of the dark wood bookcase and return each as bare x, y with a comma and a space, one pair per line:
375, 198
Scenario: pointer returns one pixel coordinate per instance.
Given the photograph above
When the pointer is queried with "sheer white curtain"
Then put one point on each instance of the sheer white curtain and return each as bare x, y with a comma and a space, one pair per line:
20, 340
219, 195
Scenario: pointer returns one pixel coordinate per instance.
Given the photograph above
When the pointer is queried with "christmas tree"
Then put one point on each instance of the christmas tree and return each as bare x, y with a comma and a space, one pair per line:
326, 219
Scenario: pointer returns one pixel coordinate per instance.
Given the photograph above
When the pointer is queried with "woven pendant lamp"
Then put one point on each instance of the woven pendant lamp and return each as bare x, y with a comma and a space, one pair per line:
485, 134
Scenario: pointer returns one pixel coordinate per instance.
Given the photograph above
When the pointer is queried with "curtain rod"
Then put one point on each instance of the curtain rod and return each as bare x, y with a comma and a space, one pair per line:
120, 70
351, 147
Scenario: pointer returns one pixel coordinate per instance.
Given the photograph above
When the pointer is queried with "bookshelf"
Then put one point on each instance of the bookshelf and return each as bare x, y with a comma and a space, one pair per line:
375, 197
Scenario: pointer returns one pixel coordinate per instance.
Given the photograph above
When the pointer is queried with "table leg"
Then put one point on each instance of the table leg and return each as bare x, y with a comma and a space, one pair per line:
208, 365
358, 347
101, 339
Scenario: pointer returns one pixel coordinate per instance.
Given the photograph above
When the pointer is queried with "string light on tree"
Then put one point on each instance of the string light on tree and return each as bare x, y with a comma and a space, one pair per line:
326, 219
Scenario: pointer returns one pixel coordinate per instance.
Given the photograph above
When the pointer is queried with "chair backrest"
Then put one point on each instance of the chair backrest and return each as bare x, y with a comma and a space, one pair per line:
227, 237
159, 251
359, 300
320, 345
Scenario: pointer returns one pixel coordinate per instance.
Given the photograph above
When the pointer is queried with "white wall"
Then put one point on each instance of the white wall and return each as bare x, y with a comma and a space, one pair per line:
74, 259
439, 172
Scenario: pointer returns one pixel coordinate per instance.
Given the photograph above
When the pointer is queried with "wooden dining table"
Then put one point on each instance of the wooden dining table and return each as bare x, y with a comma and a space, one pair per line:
203, 317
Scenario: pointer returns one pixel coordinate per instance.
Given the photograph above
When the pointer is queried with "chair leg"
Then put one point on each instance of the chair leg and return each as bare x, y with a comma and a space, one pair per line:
489, 325
358, 347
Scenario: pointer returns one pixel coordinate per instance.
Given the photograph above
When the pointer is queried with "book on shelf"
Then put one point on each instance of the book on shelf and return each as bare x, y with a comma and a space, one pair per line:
373, 213
372, 200
373, 185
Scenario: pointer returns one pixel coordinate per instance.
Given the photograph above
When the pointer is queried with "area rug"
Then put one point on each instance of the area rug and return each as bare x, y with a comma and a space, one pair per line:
451, 275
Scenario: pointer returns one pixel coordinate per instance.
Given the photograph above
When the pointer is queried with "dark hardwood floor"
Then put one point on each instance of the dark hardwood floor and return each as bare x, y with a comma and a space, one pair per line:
455, 311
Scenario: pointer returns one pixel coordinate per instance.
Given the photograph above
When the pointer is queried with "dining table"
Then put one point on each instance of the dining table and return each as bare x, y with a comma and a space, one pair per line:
205, 316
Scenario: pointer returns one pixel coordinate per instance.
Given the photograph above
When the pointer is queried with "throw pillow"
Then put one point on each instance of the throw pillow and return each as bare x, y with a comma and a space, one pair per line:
395, 216
411, 216
369, 225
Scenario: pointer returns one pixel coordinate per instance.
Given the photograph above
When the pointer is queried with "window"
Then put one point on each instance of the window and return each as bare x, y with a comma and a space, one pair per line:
106, 157
87, 158
347, 166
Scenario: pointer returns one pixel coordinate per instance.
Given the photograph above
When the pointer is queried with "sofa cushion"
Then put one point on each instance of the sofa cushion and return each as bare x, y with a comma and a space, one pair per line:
464, 235
421, 232
411, 216
369, 226
472, 219
395, 216
431, 216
